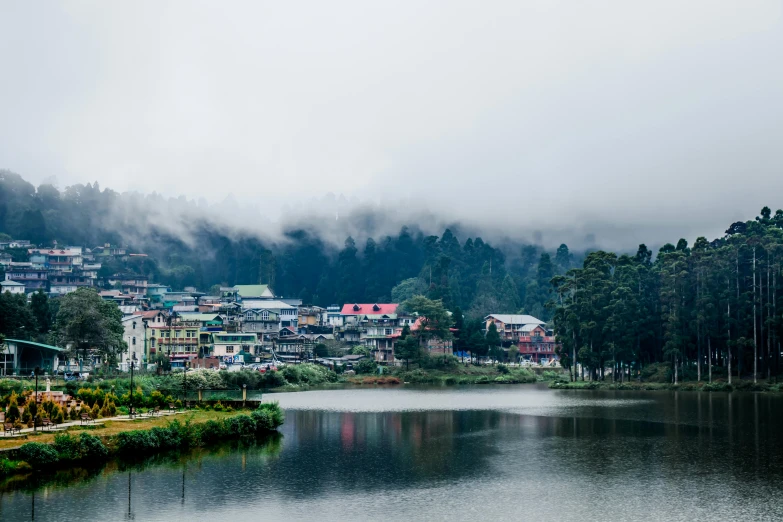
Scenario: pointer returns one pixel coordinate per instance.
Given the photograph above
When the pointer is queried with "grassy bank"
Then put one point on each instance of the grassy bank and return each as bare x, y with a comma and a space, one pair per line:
95, 445
736, 385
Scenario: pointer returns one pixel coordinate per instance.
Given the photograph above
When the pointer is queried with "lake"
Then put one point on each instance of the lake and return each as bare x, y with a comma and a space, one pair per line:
459, 453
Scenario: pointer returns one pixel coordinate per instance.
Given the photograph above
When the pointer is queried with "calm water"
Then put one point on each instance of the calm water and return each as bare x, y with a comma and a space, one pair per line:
474, 453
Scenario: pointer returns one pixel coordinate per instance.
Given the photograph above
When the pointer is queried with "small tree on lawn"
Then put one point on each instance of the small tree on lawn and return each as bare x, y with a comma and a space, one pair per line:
13, 414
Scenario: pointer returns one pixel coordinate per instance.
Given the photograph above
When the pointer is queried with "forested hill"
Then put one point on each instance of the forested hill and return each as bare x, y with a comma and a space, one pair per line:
467, 272
713, 304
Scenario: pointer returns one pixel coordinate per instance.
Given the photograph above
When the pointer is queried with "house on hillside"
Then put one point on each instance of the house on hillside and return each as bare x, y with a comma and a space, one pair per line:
243, 292
530, 334
375, 325
33, 279
287, 314
11, 287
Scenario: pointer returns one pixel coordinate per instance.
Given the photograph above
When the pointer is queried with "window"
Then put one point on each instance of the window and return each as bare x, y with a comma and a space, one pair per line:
134, 325
388, 331
265, 315
249, 316
153, 342
229, 349
133, 341
176, 334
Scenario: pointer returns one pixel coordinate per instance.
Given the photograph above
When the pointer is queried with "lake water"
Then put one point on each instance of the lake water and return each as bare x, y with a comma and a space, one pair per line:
459, 453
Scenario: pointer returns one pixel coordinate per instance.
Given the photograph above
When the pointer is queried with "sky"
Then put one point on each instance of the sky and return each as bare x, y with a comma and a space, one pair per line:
610, 121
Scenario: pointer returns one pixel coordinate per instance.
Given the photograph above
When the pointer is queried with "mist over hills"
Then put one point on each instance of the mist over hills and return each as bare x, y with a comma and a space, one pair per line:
329, 251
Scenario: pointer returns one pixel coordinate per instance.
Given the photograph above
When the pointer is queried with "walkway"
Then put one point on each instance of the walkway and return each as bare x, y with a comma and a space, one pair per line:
65, 425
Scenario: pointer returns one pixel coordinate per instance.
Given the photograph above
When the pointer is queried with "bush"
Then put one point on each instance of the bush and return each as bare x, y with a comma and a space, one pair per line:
38, 455
13, 415
502, 368
72, 415
366, 366
440, 362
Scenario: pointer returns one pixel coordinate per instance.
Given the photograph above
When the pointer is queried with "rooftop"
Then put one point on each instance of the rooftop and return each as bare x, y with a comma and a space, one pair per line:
514, 319
372, 308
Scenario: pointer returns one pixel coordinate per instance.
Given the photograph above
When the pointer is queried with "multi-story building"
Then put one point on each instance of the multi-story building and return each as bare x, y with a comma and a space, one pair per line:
178, 340
311, 316
33, 279
262, 321
62, 259
66, 282
230, 347
287, 313
376, 326
528, 333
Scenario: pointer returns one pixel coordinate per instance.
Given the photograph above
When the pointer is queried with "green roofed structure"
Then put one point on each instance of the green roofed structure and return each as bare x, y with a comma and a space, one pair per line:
20, 357
254, 292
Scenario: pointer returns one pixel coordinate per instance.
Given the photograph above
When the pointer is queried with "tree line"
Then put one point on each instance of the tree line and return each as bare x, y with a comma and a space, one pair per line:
705, 309
468, 272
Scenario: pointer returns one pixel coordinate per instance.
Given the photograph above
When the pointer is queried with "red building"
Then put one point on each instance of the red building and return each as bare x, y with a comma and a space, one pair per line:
529, 334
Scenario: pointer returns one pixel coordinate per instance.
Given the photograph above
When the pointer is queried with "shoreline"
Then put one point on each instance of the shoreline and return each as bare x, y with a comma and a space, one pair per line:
135, 438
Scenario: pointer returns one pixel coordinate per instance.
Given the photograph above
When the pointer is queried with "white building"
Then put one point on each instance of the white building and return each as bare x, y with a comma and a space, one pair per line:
12, 287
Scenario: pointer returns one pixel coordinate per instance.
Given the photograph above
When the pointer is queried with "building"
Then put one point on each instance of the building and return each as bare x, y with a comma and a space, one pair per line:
21, 357
288, 314
530, 334
135, 336
243, 292
11, 287
66, 282
261, 320
33, 279
63, 259
376, 326
6, 259
311, 316
15, 243
231, 347
178, 340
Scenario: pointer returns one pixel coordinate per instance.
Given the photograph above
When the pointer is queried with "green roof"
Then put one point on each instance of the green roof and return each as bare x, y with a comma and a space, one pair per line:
200, 317
39, 345
253, 290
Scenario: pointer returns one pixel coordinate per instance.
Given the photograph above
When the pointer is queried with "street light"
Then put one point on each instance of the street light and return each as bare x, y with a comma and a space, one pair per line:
184, 384
130, 392
36, 371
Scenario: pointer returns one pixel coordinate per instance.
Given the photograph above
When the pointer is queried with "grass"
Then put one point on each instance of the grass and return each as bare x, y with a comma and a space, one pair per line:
110, 428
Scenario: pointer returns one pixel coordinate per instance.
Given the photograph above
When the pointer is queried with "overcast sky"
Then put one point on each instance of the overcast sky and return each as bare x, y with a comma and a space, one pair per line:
659, 118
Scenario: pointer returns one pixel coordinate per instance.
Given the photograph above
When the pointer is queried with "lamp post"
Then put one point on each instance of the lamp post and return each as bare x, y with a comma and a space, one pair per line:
184, 385
36, 371
130, 392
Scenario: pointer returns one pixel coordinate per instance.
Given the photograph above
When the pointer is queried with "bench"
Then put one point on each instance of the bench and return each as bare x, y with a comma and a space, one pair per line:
46, 423
85, 417
172, 408
10, 428
153, 412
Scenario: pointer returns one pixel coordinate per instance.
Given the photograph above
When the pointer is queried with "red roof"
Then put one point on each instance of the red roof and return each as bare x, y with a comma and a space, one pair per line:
369, 309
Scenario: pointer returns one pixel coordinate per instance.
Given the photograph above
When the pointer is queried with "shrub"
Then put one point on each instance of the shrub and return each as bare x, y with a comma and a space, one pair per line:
13, 415
95, 412
366, 366
67, 447
72, 415
440, 362
502, 368
91, 448
38, 455
218, 406
157, 399
178, 404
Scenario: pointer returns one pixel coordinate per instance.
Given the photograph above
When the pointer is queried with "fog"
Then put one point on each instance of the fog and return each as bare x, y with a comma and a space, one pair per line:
607, 124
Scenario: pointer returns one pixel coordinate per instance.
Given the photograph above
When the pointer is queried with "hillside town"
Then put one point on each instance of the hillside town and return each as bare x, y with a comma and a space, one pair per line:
241, 324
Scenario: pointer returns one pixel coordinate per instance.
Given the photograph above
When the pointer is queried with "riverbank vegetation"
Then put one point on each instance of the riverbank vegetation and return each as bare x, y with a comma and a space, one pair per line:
699, 308
98, 443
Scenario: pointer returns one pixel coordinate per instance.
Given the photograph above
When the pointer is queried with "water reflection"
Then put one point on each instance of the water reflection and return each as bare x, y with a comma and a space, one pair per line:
582, 456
